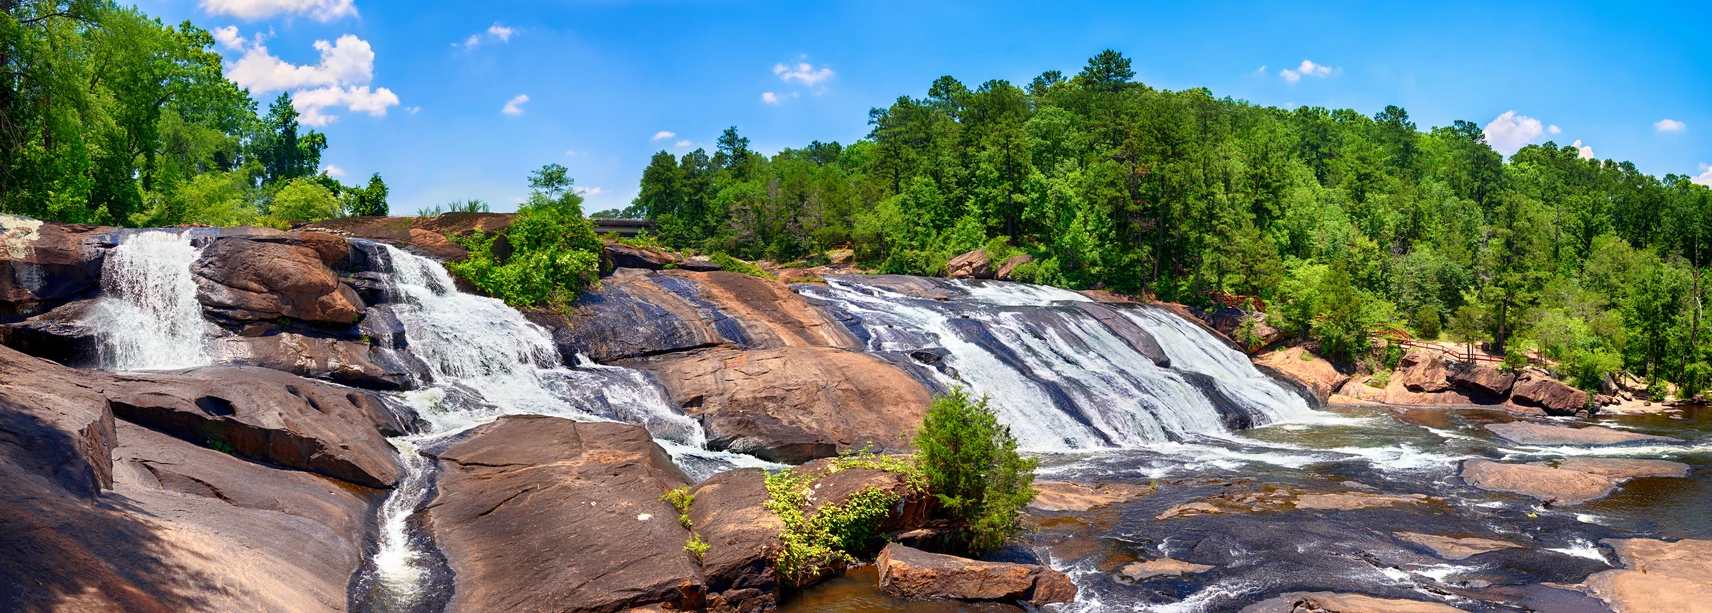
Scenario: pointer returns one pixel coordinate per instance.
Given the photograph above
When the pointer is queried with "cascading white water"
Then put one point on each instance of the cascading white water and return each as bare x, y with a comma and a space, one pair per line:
486, 360
149, 316
1062, 380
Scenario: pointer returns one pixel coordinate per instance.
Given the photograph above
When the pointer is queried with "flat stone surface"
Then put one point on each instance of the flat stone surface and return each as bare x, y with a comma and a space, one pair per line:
1531, 433
918, 575
1138, 571
1354, 501
1329, 602
1060, 496
1453, 548
1656, 576
1573, 481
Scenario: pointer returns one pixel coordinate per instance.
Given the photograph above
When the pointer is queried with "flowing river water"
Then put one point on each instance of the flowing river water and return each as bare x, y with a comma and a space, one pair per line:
1188, 419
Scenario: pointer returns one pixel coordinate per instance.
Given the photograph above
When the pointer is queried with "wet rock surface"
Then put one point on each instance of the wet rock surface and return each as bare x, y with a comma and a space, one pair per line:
1059, 496
1570, 482
44, 263
742, 538
68, 334
911, 573
250, 280
544, 513
1656, 575
316, 357
1532, 433
1329, 602
1455, 548
1162, 567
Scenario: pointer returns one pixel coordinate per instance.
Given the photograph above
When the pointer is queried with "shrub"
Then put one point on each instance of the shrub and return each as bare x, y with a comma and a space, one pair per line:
810, 546
554, 252
1379, 379
1515, 356
972, 466
1426, 322
732, 264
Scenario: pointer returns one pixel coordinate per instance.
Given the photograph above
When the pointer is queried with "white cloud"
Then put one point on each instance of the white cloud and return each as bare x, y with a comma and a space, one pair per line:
333, 171
592, 191
1510, 132
803, 73
228, 37
514, 106
1306, 69
1554, 129
357, 98
471, 42
682, 143
1583, 151
664, 134
1705, 177
1261, 71
251, 10
769, 97
413, 109
1670, 125
500, 32
347, 60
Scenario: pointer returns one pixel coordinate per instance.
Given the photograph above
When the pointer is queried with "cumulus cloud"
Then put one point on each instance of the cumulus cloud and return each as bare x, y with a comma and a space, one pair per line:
1554, 129
664, 134
769, 97
333, 171
1306, 69
500, 32
591, 191
251, 10
1583, 151
339, 79
682, 143
514, 106
1510, 132
228, 37
1670, 125
803, 73
1705, 177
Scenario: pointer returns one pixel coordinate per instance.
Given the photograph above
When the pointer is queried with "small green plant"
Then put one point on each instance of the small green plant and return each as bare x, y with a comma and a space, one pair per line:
732, 264
681, 499
1379, 379
220, 446
813, 544
696, 547
971, 464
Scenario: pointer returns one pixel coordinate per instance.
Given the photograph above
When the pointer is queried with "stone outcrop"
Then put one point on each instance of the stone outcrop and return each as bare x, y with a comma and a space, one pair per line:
1329, 602
837, 487
1061, 496
54, 425
1570, 482
316, 357
626, 256
1453, 548
918, 575
1354, 501
1423, 372
333, 251
1551, 395
250, 280
543, 513
1531, 433
1484, 382
742, 538
1312, 371
424, 236
68, 334
1007, 269
794, 404
1396, 392
1656, 576
269, 416
1162, 567
1126, 329
971, 265
44, 263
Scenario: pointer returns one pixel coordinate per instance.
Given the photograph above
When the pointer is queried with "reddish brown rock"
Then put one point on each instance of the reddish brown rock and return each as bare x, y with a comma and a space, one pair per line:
249, 280
830, 487
1162, 567
742, 537
68, 334
1059, 496
971, 265
1453, 548
1484, 382
1531, 433
43, 263
1656, 576
332, 359
266, 415
1007, 270
1542, 392
1423, 371
794, 404
1329, 602
1312, 371
55, 423
547, 514
1571, 482
626, 256
420, 235
333, 250
919, 575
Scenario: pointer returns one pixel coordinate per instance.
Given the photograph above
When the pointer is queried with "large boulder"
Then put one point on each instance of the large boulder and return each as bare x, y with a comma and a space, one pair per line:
794, 404
68, 334
1570, 482
1007, 269
1553, 396
316, 357
334, 251
1656, 576
971, 265
1311, 371
1484, 382
830, 486
43, 263
269, 416
918, 575
1424, 372
742, 538
626, 256
249, 280
547, 514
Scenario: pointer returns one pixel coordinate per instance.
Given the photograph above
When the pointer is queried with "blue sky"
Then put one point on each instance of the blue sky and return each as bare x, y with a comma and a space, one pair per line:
431, 93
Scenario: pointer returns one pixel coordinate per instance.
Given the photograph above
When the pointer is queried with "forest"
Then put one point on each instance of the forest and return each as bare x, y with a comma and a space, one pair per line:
108, 116
1341, 224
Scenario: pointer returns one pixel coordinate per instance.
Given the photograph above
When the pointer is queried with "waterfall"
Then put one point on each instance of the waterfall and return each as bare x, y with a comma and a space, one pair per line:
1058, 376
148, 314
487, 360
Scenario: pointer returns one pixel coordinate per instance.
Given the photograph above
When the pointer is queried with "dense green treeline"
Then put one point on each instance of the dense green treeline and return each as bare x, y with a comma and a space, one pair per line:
108, 116
1344, 224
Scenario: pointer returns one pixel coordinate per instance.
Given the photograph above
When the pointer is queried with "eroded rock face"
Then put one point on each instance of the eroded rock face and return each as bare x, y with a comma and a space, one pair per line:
971, 265
337, 360
1423, 372
54, 424
1329, 602
1312, 371
918, 575
544, 513
1570, 482
43, 263
626, 256
1531, 433
249, 280
1551, 395
742, 538
68, 334
1453, 548
794, 404
1484, 382
268, 416
1656, 576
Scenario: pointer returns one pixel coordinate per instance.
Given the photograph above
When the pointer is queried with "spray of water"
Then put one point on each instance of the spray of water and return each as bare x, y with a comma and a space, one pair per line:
149, 315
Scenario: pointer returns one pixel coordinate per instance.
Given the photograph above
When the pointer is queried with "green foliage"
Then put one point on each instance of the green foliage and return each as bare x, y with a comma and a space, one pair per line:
554, 253
302, 200
1379, 379
1426, 322
731, 264
813, 544
681, 499
1515, 357
696, 547
220, 446
972, 466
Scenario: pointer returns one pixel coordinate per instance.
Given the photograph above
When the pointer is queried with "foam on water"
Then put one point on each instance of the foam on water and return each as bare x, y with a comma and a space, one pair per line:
148, 315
